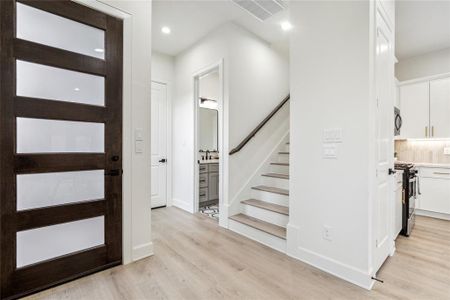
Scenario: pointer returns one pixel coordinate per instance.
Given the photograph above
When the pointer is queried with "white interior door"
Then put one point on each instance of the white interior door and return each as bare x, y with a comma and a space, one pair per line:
159, 145
384, 139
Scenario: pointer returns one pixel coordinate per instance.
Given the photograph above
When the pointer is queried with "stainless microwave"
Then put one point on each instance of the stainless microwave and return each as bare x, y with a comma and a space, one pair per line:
397, 121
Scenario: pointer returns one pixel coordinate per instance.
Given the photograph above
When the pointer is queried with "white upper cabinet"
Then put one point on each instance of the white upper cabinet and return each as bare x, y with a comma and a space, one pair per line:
425, 109
440, 108
415, 110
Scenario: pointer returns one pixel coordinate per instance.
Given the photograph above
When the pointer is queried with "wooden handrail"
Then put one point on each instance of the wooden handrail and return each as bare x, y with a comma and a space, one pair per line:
260, 125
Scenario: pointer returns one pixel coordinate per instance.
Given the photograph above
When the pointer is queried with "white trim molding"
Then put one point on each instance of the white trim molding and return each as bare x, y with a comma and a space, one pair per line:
341, 270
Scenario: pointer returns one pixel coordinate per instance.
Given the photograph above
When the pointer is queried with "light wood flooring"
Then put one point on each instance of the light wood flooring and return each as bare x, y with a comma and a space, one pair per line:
195, 259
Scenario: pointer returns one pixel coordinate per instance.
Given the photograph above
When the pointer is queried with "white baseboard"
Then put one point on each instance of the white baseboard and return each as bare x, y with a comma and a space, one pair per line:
431, 214
142, 251
336, 268
346, 272
183, 205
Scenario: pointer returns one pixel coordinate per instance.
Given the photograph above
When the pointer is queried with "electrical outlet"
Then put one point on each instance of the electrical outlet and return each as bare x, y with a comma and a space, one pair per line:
447, 151
327, 233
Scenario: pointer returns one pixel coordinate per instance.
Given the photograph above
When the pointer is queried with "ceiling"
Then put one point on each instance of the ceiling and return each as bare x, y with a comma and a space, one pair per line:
421, 27
189, 21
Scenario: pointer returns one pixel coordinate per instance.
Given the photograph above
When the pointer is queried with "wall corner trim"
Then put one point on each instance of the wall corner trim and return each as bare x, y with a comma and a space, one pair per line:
142, 251
187, 206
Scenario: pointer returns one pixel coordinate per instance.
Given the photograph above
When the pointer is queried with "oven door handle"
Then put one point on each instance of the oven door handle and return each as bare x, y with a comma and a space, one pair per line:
418, 185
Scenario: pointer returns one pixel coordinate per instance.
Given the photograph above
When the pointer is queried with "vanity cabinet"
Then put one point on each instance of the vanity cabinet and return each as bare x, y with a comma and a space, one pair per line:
208, 182
425, 107
434, 198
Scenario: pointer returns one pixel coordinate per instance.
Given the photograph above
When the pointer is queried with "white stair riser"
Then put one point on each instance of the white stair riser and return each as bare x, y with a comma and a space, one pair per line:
265, 215
283, 158
258, 235
286, 148
275, 182
279, 169
271, 197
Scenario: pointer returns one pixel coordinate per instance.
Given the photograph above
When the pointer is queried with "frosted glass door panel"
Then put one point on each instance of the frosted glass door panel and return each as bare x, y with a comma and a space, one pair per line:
49, 189
40, 244
43, 136
41, 27
41, 81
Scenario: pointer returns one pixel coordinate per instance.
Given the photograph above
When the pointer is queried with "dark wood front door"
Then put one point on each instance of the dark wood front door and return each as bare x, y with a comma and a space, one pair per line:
61, 143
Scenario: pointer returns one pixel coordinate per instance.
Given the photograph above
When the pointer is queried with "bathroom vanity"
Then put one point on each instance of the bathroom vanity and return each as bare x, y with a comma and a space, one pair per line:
208, 182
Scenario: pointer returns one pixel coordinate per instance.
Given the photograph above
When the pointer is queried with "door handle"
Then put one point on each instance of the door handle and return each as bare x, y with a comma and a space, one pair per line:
163, 160
392, 172
115, 172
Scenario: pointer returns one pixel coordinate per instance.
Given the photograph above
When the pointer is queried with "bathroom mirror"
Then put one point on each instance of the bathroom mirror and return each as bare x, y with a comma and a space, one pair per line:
208, 129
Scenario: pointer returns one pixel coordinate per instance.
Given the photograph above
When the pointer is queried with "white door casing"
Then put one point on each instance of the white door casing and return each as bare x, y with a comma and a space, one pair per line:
159, 145
384, 68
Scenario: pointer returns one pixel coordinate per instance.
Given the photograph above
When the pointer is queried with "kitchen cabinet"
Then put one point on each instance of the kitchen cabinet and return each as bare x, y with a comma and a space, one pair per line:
415, 104
440, 108
425, 107
435, 190
398, 203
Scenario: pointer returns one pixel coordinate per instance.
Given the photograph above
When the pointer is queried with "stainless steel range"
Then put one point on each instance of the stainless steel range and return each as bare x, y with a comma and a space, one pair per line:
411, 190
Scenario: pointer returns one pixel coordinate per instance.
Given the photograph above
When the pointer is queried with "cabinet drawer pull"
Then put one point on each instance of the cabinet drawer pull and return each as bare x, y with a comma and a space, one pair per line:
441, 173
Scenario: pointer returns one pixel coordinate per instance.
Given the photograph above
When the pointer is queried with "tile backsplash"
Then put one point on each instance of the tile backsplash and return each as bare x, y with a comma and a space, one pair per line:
423, 151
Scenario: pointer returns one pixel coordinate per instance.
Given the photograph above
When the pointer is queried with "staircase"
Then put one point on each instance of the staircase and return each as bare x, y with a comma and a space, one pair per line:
265, 215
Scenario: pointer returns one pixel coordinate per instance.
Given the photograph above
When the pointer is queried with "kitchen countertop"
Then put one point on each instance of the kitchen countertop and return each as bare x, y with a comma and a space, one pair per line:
210, 161
428, 165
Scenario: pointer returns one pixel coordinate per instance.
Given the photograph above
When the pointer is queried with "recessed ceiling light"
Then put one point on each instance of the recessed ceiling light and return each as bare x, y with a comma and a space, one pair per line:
76, 89
99, 50
286, 25
165, 30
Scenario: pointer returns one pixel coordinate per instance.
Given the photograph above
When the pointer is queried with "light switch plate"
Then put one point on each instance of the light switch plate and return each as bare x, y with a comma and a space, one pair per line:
139, 147
447, 151
332, 135
138, 134
330, 151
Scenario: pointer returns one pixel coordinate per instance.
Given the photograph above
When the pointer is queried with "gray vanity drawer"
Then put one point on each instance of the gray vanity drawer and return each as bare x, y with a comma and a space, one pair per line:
203, 180
203, 168
213, 167
203, 196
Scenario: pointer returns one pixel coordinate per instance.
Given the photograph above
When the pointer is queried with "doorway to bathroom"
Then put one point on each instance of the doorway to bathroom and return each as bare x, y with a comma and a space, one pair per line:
208, 141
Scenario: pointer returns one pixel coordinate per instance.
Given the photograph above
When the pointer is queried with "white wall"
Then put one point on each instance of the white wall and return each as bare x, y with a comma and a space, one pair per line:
330, 88
137, 241
255, 80
429, 64
210, 86
162, 67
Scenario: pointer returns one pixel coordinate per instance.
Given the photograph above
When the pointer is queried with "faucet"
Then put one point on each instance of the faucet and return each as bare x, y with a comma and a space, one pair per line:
208, 154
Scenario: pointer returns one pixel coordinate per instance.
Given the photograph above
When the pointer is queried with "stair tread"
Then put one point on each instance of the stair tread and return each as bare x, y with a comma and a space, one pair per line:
280, 164
271, 189
283, 152
276, 175
267, 227
281, 209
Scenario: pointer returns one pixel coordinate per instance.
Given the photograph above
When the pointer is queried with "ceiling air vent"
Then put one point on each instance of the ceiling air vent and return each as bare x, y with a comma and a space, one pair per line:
261, 9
